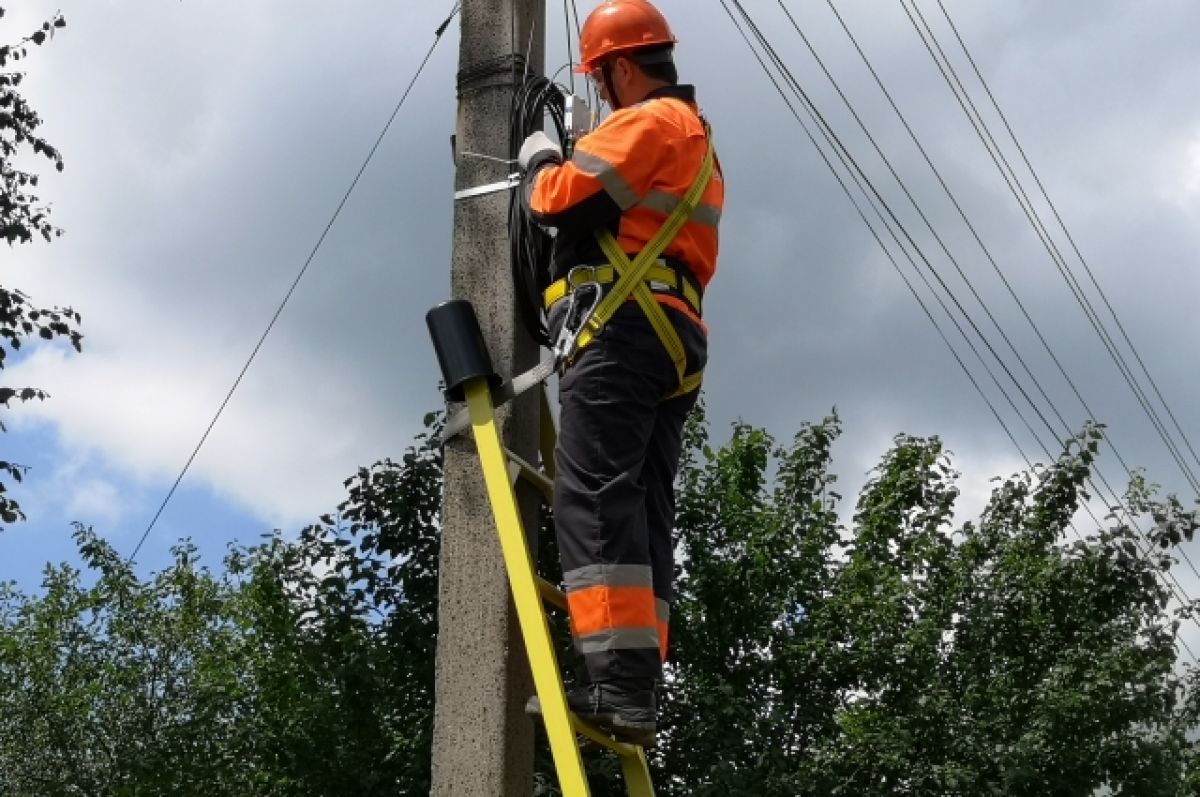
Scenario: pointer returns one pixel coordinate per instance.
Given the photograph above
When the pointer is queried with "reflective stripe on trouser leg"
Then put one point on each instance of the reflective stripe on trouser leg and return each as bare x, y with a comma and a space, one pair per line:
618, 449
612, 607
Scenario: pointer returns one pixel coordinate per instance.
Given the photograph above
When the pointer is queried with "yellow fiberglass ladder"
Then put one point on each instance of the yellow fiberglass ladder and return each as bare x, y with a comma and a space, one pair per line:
468, 375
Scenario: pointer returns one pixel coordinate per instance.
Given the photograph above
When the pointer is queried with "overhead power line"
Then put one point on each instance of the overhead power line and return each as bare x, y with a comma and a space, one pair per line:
892, 221
1099, 474
1054, 210
870, 227
946, 68
849, 163
1066, 428
1014, 183
966, 220
299, 276
873, 203
876, 200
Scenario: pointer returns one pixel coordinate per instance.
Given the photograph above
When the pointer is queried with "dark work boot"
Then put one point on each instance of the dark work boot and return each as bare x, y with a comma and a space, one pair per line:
627, 710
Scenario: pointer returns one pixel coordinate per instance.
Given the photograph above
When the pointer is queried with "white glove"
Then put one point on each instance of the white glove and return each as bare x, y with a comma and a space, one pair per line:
536, 146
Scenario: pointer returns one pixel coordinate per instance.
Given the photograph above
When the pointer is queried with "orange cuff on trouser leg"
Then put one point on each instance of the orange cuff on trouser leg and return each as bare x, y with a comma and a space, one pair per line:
606, 618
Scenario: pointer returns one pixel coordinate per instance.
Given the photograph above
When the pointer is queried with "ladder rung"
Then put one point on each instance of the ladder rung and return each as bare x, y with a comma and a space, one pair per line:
551, 594
533, 475
622, 749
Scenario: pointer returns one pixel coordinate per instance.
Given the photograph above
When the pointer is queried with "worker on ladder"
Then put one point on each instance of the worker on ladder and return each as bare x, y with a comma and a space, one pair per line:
644, 180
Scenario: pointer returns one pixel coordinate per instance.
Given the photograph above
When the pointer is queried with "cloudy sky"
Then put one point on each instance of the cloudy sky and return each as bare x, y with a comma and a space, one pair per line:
208, 142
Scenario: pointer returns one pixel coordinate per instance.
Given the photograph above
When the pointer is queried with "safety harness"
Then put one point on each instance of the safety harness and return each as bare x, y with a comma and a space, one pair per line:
589, 309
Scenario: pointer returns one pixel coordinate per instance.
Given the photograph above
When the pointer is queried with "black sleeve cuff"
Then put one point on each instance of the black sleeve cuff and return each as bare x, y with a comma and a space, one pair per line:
538, 161
542, 158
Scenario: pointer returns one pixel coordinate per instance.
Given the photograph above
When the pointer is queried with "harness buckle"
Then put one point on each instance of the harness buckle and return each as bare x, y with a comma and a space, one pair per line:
575, 280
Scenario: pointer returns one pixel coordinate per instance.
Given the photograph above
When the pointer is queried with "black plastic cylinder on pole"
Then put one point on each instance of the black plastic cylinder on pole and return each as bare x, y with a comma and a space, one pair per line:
461, 350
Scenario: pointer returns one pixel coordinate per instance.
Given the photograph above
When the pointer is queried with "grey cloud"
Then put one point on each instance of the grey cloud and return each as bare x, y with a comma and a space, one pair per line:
231, 132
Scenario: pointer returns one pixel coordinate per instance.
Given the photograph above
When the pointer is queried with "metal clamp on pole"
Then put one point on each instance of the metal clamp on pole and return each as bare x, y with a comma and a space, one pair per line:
460, 421
491, 188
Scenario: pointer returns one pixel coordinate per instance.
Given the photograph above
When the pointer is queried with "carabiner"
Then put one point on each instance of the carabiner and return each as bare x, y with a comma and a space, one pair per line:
583, 301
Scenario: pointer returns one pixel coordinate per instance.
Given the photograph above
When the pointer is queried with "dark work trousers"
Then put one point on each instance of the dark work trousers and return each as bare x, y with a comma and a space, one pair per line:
614, 499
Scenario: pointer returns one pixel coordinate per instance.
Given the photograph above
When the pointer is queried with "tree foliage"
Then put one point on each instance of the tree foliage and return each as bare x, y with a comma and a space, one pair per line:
304, 668
23, 217
903, 655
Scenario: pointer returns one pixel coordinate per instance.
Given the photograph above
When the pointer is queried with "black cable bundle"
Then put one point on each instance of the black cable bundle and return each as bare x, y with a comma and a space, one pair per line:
534, 99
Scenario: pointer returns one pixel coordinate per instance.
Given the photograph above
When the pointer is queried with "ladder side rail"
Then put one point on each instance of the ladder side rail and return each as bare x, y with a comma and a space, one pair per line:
532, 618
637, 773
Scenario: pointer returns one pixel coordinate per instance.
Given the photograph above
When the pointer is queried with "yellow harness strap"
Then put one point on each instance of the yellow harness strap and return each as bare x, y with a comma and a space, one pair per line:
632, 279
660, 276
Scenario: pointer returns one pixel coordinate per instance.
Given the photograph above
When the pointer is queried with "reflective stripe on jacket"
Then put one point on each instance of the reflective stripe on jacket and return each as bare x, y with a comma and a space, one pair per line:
628, 175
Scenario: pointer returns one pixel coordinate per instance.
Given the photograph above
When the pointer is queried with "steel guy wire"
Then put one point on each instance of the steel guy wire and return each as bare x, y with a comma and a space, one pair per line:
786, 74
1023, 200
1054, 210
971, 227
292, 289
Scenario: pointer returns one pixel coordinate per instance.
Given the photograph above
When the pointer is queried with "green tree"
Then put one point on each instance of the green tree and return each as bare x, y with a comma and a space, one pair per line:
900, 656
111, 687
23, 217
304, 668
903, 656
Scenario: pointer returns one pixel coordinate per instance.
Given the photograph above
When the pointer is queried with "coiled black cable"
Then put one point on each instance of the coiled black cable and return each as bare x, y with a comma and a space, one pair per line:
535, 98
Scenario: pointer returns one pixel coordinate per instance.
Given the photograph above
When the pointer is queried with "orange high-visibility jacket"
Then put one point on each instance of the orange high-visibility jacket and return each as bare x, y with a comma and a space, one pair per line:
628, 175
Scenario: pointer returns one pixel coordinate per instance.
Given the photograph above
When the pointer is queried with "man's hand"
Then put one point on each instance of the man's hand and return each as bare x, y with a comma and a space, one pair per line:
538, 147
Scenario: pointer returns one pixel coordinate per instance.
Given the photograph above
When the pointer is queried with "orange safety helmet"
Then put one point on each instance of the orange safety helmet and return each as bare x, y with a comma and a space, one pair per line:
621, 26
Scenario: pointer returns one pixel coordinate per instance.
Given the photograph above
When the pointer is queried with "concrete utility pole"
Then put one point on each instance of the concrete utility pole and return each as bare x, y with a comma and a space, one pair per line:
482, 740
